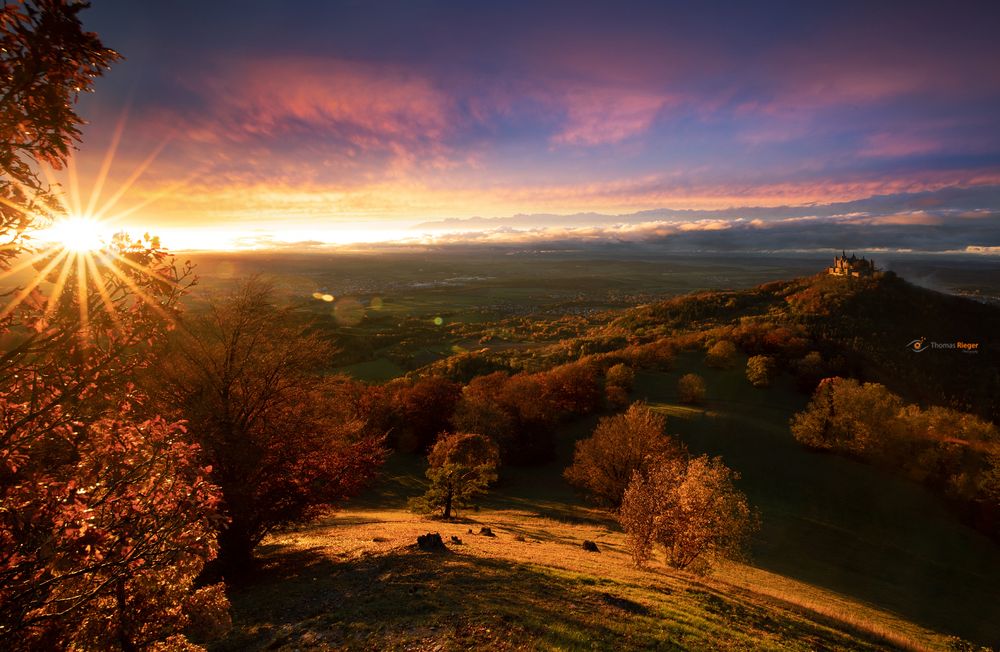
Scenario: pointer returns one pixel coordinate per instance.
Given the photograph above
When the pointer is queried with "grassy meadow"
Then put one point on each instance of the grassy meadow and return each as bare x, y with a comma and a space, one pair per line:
846, 557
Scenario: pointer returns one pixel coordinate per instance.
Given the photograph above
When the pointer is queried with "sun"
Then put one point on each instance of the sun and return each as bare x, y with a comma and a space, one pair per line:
76, 233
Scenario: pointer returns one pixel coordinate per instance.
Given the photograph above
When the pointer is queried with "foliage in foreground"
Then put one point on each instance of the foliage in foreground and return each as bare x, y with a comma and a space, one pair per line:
688, 508
462, 466
103, 532
106, 516
46, 61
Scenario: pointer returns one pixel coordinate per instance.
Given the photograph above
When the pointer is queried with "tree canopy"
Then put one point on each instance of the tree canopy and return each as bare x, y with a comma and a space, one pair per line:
46, 60
245, 374
461, 467
604, 463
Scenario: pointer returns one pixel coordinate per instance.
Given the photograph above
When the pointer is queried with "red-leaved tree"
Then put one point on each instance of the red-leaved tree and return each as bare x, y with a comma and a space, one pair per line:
247, 376
106, 515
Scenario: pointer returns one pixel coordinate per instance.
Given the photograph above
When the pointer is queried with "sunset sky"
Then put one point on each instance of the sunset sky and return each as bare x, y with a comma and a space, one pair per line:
312, 122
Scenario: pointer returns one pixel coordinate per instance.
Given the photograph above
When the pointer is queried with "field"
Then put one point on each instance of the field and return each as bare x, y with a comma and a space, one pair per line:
846, 558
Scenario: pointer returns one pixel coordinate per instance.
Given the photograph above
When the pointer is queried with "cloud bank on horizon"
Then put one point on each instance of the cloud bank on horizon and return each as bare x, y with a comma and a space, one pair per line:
669, 118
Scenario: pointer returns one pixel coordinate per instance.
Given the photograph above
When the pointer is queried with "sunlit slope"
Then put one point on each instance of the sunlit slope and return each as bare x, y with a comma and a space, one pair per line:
355, 581
846, 558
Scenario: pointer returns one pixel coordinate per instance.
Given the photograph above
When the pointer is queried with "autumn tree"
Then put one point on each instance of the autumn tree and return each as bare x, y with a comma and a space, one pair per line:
620, 375
760, 369
603, 464
809, 370
571, 389
722, 354
518, 413
690, 509
423, 409
480, 410
106, 515
953, 452
46, 60
245, 374
618, 382
847, 415
461, 467
691, 388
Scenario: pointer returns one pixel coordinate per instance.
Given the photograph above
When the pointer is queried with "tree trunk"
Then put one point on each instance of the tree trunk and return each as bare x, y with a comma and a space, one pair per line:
447, 504
235, 557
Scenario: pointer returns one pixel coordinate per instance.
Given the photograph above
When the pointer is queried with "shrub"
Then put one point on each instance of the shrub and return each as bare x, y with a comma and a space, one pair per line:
462, 465
603, 464
690, 509
759, 370
691, 388
722, 355
620, 375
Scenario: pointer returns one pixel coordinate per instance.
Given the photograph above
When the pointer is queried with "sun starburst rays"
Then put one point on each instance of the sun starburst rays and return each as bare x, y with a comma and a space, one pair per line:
78, 256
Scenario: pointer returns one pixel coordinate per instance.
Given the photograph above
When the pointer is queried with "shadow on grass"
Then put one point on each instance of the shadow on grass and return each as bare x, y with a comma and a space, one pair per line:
409, 599
837, 523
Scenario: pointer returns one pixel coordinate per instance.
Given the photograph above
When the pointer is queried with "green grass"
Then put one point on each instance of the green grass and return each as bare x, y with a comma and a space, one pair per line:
355, 581
834, 522
378, 370
832, 567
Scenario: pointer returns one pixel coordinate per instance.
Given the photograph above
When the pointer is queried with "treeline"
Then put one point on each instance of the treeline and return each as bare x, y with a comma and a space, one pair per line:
519, 411
955, 453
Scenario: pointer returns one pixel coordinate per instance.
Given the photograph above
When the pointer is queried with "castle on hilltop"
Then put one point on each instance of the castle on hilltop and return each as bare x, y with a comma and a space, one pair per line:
851, 267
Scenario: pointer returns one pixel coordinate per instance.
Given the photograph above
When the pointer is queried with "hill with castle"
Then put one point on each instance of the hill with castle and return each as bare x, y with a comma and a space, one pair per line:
852, 267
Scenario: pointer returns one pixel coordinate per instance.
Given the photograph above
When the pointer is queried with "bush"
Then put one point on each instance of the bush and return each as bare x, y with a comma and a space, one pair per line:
603, 464
620, 375
690, 509
721, 355
759, 370
462, 465
691, 388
